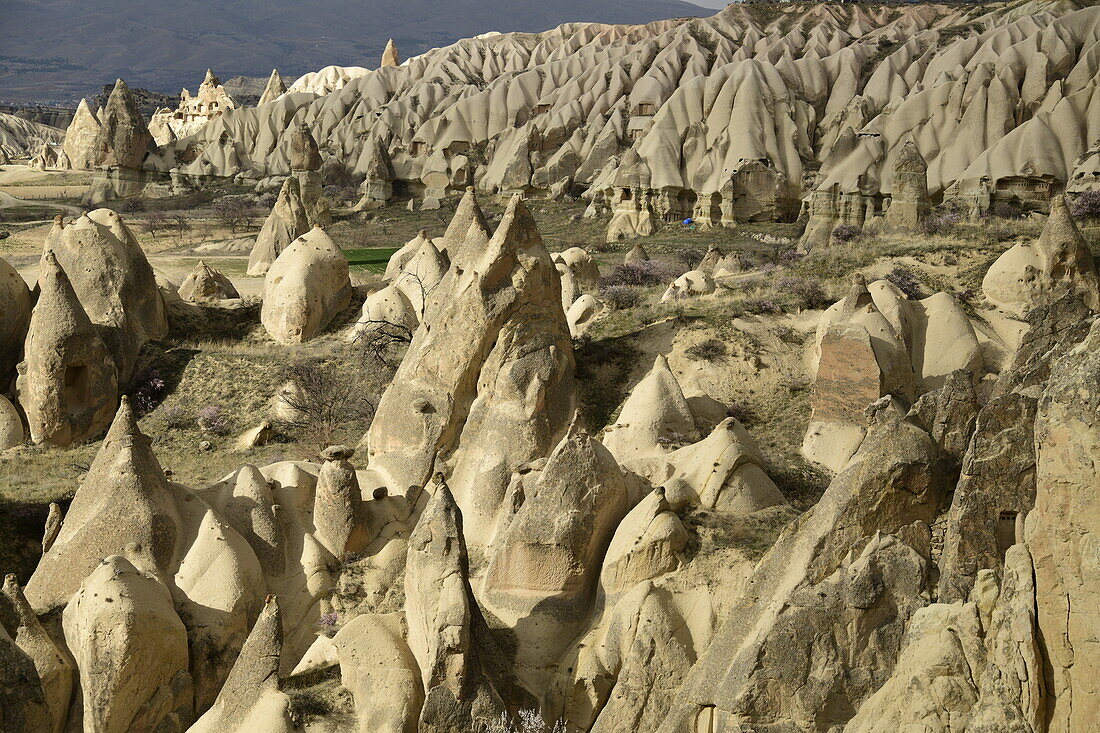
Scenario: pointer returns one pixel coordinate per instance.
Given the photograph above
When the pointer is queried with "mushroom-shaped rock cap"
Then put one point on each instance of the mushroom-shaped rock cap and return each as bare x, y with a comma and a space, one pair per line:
337, 453
304, 153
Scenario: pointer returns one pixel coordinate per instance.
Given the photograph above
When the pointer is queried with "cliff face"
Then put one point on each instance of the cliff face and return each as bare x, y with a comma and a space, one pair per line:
730, 118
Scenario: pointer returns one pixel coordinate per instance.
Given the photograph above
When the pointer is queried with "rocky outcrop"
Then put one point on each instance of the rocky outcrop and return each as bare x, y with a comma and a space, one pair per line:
274, 89
495, 310
287, 221
337, 504
114, 282
123, 139
68, 382
909, 202
11, 425
80, 138
16, 303
441, 615
654, 418
305, 288
1061, 530
834, 571
130, 649
997, 484
206, 285
877, 342
1059, 262
390, 56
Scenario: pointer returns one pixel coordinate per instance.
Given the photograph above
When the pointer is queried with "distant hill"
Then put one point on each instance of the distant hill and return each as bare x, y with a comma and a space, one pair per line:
60, 50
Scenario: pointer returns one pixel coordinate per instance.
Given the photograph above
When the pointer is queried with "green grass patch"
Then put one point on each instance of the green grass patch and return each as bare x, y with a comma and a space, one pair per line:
373, 259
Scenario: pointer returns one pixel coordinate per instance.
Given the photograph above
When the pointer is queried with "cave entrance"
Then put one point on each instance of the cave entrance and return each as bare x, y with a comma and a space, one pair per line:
76, 388
1006, 533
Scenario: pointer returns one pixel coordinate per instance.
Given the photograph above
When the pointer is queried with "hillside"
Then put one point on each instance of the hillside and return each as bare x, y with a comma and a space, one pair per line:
48, 56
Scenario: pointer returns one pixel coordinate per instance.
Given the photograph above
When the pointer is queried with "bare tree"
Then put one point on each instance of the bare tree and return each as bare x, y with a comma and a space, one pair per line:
383, 341
233, 212
180, 224
326, 400
155, 222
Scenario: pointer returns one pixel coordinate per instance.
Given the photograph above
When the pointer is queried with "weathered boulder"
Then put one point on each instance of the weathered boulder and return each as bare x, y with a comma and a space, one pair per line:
251, 698
583, 313
130, 648
16, 304
67, 382
287, 221
54, 666
649, 542
80, 138
338, 504
467, 230
384, 310
206, 285
390, 56
997, 481
420, 275
1061, 534
909, 202
580, 274
441, 616
379, 669
544, 564
691, 284
23, 704
274, 89
824, 593
11, 425
124, 505
305, 288
654, 418
636, 255
1059, 262
496, 308
123, 140
114, 282
304, 153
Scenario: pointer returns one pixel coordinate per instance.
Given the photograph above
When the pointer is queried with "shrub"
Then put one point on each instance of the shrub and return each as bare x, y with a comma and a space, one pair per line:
939, 224
233, 211
328, 400
905, 281
710, 350
690, 256
847, 233
1086, 205
213, 419
305, 706
762, 306
807, 293
621, 297
644, 274
740, 412
1006, 210
527, 721
133, 206
175, 417
150, 391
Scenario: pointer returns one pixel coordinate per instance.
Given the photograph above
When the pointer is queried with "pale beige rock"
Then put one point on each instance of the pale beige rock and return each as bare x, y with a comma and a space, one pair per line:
305, 288
287, 221
383, 309
11, 425
67, 383
691, 284
130, 648
251, 692
544, 565
401, 257
420, 275
114, 282
1060, 532
274, 89
425, 408
467, 230
23, 705
648, 542
254, 437
80, 138
580, 275
337, 505
654, 418
206, 285
1029, 275
124, 505
379, 669
123, 139
724, 471
390, 56
583, 313
54, 666
636, 255
16, 304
